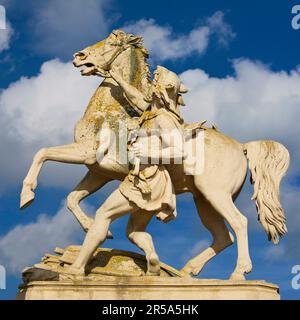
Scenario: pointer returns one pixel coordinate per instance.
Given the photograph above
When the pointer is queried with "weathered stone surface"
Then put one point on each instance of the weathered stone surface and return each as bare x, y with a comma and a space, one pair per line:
105, 262
149, 288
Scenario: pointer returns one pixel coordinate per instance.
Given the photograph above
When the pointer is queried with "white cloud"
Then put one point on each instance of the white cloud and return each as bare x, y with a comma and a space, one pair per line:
26, 244
5, 36
254, 103
63, 28
47, 106
164, 44
274, 253
38, 112
220, 28
60, 28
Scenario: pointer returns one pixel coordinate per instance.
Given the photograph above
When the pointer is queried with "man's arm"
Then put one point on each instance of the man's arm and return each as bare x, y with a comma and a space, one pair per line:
172, 144
172, 141
133, 95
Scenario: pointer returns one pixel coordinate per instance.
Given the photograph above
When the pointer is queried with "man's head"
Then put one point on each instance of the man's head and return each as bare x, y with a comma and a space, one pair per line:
169, 88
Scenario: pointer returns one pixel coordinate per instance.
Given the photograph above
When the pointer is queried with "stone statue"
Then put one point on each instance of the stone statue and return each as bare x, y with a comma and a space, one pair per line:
126, 95
149, 191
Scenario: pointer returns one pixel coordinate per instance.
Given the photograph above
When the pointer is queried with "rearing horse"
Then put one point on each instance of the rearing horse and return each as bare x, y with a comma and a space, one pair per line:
126, 53
214, 190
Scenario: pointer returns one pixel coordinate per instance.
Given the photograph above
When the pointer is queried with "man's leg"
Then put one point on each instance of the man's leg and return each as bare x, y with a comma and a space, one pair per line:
114, 207
136, 227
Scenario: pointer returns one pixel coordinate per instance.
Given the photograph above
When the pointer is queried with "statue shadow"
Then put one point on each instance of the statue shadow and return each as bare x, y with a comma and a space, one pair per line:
118, 94
103, 260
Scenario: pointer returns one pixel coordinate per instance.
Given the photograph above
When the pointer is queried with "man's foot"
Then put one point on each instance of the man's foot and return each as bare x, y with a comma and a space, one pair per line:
74, 271
153, 265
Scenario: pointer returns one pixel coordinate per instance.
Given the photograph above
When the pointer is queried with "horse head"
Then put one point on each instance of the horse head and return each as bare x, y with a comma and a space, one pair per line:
98, 58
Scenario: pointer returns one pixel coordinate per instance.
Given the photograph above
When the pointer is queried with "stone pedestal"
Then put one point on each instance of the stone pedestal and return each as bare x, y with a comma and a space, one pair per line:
149, 288
121, 275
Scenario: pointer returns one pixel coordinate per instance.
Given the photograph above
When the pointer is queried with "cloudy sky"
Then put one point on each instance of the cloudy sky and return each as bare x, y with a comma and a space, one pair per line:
242, 67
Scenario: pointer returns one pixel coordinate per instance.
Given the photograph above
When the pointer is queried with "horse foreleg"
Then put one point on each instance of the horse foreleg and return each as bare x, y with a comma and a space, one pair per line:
88, 185
222, 238
71, 153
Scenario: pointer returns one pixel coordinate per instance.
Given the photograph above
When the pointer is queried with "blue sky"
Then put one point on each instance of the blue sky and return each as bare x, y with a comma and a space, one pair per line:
242, 68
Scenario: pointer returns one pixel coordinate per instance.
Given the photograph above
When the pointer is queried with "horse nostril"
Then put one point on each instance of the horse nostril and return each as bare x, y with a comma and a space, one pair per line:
80, 55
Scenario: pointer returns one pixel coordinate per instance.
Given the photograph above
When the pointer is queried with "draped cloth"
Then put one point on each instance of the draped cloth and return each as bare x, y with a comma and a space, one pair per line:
152, 189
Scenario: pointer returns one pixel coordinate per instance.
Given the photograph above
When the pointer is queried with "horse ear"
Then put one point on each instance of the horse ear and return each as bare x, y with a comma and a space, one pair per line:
118, 32
132, 39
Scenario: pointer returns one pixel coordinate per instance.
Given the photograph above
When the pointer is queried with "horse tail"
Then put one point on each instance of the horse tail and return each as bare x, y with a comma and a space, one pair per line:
268, 163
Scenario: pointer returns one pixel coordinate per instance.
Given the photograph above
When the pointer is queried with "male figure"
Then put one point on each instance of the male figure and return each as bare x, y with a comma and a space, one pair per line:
149, 191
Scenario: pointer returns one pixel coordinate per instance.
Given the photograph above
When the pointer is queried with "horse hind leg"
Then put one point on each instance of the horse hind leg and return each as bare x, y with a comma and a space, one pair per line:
223, 204
71, 153
222, 238
88, 185
135, 231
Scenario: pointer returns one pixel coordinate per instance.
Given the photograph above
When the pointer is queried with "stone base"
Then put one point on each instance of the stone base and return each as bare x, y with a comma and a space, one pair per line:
149, 288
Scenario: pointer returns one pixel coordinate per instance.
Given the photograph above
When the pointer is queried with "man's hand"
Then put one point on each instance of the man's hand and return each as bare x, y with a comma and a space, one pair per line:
139, 150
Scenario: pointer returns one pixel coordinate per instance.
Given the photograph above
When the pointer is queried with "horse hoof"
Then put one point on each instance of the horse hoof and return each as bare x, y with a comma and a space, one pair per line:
192, 270
187, 272
26, 199
237, 277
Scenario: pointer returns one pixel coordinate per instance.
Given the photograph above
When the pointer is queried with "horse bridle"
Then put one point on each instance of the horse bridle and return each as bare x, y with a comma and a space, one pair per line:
105, 70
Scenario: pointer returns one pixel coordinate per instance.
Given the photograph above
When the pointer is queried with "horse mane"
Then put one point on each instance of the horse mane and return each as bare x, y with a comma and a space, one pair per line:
123, 38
